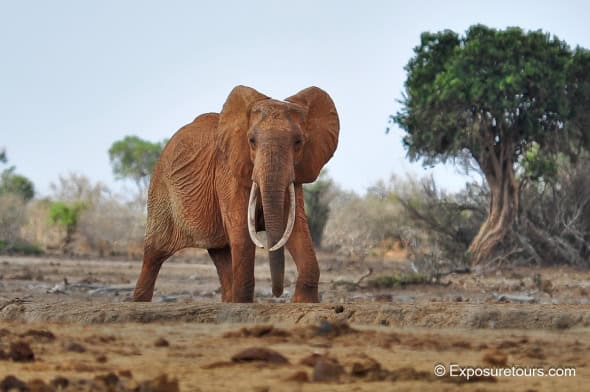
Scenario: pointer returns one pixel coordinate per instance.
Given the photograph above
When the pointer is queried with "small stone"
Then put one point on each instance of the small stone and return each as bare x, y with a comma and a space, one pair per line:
161, 342
101, 358
299, 376
259, 354
59, 382
38, 385
339, 309
125, 373
11, 383
75, 347
310, 360
563, 322
21, 352
365, 366
160, 384
110, 379
38, 334
327, 370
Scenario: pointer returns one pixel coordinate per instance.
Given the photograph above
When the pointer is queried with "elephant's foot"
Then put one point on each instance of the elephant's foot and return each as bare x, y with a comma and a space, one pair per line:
142, 295
306, 293
243, 293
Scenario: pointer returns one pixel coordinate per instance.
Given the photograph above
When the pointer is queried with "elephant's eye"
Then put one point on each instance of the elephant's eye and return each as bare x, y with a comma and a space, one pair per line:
298, 142
252, 141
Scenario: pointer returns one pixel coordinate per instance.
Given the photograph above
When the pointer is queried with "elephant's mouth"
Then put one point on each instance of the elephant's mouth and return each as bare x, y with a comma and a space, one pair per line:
252, 218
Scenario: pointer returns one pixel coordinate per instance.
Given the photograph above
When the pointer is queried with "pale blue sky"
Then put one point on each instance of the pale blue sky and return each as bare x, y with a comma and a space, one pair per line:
77, 75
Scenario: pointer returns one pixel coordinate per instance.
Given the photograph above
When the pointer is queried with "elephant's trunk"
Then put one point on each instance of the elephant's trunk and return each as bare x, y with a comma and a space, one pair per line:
277, 230
273, 207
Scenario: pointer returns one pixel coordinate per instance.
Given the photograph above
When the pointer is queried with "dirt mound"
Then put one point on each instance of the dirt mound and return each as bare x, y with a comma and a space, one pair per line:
464, 315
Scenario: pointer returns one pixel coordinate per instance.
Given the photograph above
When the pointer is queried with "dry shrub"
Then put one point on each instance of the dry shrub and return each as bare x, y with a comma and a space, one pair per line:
439, 226
554, 219
108, 225
38, 229
12, 217
433, 227
357, 225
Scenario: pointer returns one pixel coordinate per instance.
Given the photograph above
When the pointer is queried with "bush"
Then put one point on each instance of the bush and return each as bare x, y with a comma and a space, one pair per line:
66, 215
554, 219
107, 224
20, 247
358, 224
12, 217
439, 227
318, 196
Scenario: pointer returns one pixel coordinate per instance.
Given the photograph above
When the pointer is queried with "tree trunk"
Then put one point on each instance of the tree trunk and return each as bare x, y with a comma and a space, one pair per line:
500, 176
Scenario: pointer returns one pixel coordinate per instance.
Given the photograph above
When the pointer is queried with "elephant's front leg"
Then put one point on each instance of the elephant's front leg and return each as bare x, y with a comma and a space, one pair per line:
242, 252
300, 246
234, 203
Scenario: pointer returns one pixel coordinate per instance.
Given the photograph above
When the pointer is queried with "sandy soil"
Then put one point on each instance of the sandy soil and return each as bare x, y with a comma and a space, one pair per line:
70, 322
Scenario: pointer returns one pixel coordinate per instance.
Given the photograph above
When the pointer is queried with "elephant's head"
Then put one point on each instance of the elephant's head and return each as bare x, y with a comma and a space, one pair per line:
270, 145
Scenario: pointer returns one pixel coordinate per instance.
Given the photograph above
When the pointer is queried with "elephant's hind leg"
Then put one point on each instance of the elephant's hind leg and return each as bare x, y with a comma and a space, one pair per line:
152, 261
222, 260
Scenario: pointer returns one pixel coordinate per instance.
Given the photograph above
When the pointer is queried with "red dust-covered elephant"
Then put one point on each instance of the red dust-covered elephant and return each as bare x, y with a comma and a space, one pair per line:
225, 176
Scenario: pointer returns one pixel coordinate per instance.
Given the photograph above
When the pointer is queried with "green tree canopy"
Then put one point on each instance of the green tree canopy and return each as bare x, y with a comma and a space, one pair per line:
491, 95
134, 158
10, 182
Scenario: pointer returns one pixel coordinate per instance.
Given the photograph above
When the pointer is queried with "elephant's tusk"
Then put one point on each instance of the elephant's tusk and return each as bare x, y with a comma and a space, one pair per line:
252, 215
290, 221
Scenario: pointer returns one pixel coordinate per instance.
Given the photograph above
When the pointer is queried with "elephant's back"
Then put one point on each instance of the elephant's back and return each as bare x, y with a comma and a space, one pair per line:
185, 177
189, 147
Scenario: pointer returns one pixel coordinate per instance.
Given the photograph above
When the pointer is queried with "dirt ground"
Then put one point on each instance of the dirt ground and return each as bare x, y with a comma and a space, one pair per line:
69, 325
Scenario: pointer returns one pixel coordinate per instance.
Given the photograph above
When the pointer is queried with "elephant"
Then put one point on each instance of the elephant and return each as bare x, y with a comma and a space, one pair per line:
226, 176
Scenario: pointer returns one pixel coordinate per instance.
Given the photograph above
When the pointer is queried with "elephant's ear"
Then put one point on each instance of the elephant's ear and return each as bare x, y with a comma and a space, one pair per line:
233, 125
321, 132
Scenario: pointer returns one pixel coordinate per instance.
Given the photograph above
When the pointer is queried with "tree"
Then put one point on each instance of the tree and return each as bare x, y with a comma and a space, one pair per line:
17, 184
489, 96
13, 183
134, 158
317, 205
66, 215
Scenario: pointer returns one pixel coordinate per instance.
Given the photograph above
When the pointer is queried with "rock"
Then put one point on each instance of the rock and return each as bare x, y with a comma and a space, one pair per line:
11, 383
563, 321
327, 370
160, 384
339, 309
110, 379
38, 385
332, 329
161, 342
259, 354
258, 331
21, 352
310, 360
364, 366
125, 373
59, 382
75, 347
299, 376
39, 334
